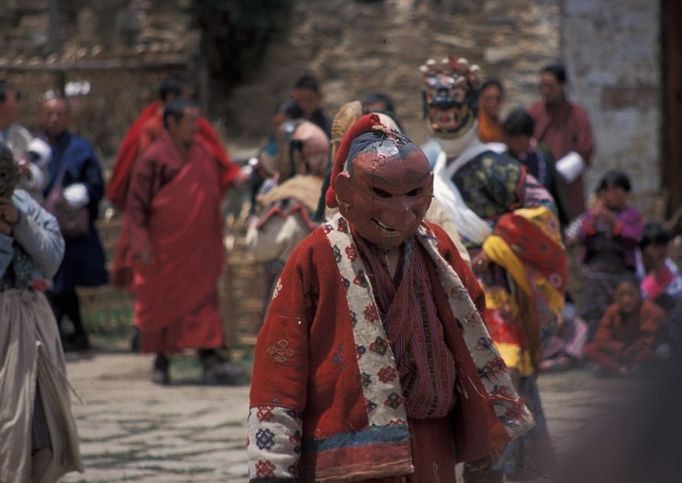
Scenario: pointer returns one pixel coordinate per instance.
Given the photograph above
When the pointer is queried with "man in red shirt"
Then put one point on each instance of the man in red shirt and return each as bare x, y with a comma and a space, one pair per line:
564, 127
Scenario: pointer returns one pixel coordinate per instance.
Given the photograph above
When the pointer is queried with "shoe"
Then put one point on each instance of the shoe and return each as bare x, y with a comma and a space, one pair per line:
218, 371
161, 370
76, 343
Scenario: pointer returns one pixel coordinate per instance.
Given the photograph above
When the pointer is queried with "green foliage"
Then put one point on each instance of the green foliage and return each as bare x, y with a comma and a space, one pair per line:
235, 33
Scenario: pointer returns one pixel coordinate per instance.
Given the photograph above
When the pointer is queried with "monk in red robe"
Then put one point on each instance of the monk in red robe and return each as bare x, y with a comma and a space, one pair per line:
176, 229
374, 363
144, 131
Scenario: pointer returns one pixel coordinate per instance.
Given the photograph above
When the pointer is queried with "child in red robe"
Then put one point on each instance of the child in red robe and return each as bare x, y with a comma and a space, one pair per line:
628, 332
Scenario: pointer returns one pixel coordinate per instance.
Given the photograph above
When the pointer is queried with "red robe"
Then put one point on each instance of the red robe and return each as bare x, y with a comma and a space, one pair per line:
326, 397
144, 131
174, 210
626, 341
564, 128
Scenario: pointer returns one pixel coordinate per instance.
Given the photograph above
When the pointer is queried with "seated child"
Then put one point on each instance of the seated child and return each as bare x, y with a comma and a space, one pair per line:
628, 332
661, 280
565, 348
609, 234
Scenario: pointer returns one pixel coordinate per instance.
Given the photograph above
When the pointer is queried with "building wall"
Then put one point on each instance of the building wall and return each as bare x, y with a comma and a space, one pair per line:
357, 47
121, 48
613, 54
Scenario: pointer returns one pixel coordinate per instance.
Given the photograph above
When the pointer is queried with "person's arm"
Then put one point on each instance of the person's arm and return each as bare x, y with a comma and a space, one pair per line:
93, 179
138, 207
88, 188
280, 378
584, 139
629, 227
642, 349
37, 231
6, 251
605, 336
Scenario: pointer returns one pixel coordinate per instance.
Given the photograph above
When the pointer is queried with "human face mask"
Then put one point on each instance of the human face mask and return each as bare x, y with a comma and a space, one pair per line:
386, 189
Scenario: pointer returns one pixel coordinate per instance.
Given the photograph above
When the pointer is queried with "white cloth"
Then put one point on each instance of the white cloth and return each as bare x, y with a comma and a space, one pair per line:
17, 139
437, 214
276, 237
571, 166
36, 181
454, 147
468, 223
76, 195
42, 152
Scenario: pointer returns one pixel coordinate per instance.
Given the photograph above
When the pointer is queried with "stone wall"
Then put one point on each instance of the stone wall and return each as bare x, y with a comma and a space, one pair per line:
358, 47
613, 53
122, 48
354, 48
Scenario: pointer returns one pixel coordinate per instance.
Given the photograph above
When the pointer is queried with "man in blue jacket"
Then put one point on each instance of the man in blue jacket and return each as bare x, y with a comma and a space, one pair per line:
73, 169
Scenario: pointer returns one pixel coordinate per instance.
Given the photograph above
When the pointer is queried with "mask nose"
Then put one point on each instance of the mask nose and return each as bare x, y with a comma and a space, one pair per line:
400, 215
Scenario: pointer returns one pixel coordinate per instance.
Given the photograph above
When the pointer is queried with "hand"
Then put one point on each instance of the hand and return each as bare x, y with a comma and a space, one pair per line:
243, 177
5, 228
480, 262
8, 212
24, 169
601, 211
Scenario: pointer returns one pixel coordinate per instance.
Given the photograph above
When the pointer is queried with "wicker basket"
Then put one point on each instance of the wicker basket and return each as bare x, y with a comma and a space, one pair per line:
108, 310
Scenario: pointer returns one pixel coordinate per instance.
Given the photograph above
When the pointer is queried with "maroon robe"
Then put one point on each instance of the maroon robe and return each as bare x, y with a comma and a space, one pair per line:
563, 128
173, 209
625, 341
323, 400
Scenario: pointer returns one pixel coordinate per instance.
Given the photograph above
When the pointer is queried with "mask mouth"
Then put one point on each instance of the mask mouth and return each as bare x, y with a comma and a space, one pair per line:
386, 230
447, 119
450, 124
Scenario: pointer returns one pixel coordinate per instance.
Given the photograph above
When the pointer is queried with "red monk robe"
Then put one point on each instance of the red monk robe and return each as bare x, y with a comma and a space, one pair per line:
143, 132
173, 210
563, 128
625, 341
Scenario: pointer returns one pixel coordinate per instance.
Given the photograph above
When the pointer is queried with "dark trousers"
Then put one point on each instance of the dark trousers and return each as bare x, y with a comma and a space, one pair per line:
67, 304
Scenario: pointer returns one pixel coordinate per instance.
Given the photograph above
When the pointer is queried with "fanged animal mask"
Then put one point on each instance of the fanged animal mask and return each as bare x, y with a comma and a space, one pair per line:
449, 95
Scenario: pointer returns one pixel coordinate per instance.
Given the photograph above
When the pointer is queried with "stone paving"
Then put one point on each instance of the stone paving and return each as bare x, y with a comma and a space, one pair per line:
131, 429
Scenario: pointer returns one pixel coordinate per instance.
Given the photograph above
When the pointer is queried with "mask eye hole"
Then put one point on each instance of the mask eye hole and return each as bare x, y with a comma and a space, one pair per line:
413, 193
381, 193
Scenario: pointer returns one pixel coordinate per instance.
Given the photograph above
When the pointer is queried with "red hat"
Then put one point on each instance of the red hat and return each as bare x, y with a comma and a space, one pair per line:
365, 124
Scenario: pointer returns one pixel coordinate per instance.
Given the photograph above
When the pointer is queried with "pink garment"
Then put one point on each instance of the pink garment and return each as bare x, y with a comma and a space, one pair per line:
566, 346
315, 146
655, 284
